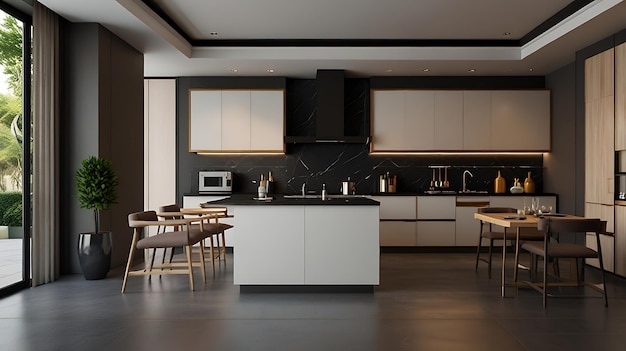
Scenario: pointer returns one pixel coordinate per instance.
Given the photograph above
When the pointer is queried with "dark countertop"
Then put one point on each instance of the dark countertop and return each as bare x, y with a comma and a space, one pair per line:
448, 193
454, 193
248, 199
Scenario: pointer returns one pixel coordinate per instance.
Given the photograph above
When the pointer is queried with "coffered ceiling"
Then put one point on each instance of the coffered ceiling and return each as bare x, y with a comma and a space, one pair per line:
294, 38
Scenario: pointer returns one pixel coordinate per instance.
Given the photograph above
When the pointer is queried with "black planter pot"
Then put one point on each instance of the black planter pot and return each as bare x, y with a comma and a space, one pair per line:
94, 254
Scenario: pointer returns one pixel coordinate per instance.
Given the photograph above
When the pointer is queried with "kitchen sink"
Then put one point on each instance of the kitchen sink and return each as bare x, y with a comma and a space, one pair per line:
440, 192
318, 196
300, 196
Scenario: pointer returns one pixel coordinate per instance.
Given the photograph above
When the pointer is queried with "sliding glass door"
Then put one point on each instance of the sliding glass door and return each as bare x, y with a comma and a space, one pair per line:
15, 170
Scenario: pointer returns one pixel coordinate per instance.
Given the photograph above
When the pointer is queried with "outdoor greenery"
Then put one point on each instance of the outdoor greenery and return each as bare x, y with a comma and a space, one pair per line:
96, 184
11, 209
11, 63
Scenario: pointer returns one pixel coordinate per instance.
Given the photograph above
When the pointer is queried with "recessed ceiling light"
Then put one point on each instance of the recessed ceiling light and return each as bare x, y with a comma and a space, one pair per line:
234, 70
270, 70
213, 33
471, 70
426, 70
530, 69
389, 70
506, 33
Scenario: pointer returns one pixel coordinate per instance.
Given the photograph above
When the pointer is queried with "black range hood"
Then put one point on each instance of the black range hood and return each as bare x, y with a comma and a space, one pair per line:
329, 120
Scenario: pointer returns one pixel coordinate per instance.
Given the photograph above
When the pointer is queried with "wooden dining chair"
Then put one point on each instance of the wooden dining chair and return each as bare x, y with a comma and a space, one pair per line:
550, 249
526, 234
213, 229
181, 235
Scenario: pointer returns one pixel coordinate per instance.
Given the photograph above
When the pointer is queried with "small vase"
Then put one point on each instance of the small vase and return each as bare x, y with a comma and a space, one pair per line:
529, 185
499, 184
517, 187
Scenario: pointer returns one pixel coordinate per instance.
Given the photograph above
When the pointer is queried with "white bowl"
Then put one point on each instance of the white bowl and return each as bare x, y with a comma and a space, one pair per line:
516, 190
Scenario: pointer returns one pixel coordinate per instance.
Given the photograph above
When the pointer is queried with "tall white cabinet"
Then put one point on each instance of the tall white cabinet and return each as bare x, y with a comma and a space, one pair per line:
159, 143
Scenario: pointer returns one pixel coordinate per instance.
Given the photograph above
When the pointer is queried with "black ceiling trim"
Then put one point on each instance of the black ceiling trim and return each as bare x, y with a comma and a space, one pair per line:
535, 32
154, 7
351, 42
554, 20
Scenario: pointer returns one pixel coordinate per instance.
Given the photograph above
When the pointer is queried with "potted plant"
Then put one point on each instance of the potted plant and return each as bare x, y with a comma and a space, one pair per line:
96, 184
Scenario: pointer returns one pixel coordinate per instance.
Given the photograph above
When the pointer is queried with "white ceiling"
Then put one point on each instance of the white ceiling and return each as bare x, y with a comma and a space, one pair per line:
167, 53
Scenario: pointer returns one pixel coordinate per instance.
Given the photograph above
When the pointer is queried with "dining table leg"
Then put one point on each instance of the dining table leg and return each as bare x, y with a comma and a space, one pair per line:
504, 264
516, 256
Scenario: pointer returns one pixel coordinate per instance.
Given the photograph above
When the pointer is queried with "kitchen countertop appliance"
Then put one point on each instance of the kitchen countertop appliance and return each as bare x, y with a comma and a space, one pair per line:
215, 182
348, 187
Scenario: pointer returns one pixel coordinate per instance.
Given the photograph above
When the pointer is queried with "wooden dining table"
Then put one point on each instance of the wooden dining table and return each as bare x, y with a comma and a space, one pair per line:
511, 221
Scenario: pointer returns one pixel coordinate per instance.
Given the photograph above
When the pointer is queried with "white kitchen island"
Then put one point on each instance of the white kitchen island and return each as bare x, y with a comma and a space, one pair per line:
306, 243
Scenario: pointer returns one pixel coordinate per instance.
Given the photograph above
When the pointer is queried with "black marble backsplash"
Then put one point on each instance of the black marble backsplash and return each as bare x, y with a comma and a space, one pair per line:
331, 163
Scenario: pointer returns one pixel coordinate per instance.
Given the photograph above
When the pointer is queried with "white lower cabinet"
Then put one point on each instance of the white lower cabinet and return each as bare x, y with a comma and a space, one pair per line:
310, 245
398, 233
442, 220
398, 217
435, 233
466, 226
344, 252
270, 247
435, 220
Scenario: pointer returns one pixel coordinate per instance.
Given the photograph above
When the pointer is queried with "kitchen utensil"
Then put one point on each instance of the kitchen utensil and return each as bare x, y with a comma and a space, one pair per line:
446, 183
391, 184
382, 184
349, 188
433, 183
440, 182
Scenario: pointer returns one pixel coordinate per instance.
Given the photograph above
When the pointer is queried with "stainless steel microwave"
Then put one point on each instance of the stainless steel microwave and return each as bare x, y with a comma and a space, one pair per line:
215, 182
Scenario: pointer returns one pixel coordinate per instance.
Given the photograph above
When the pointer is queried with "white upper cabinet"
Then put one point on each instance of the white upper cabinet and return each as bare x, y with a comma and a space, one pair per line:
419, 120
267, 120
448, 120
520, 120
391, 106
236, 120
407, 120
477, 120
205, 120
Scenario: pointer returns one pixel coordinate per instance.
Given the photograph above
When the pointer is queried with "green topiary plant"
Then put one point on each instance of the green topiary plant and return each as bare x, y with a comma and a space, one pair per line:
13, 215
96, 184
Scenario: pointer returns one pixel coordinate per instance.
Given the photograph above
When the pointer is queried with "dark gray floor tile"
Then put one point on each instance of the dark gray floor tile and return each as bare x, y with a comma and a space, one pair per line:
424, 302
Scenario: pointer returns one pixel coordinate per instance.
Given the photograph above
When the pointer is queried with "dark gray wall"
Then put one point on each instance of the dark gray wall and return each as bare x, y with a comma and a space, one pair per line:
560, 165
102, 115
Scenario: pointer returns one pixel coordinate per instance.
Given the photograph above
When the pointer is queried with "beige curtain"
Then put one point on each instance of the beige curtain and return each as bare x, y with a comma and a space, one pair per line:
45, 234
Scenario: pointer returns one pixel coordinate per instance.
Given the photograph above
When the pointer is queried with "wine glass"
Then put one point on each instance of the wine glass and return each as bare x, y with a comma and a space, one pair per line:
535, 205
